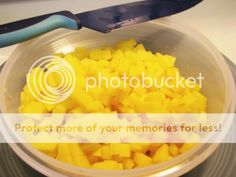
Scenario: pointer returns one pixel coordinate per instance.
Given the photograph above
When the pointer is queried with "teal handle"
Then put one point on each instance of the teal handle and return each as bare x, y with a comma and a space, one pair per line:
49, 24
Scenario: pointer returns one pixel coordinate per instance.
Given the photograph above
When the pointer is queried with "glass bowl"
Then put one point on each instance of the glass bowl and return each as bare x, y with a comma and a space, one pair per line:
194, 54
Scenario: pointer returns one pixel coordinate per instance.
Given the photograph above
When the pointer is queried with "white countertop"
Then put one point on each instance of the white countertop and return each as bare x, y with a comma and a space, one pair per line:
216, 19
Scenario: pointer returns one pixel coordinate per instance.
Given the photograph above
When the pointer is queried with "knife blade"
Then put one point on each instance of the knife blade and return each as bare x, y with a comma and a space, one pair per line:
107, 19
102, 20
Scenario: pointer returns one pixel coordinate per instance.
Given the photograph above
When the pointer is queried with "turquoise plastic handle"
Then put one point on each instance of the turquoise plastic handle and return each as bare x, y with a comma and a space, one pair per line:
49, 24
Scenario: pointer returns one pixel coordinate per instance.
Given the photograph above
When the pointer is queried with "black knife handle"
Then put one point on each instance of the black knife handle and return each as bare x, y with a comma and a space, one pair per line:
23, 30
17, 25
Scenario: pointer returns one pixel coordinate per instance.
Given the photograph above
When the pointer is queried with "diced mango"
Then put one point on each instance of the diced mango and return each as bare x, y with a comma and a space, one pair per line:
122, 150
106, 152
77, 155
141, 159
59, 109
108, 165
33, 107
125, 58
64, 153
139, 147
89, 148
128, 164
186, 147
174, 150
100, 54
162, 154
47, 148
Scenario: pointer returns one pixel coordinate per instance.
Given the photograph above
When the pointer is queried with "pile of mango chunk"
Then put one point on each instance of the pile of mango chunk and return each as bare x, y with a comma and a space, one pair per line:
124, 57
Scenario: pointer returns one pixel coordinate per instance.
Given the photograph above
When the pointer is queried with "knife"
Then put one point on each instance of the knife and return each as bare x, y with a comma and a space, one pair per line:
102, 20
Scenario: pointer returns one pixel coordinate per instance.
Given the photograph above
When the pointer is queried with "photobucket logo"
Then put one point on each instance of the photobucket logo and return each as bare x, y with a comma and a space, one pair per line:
144, 81
41, 89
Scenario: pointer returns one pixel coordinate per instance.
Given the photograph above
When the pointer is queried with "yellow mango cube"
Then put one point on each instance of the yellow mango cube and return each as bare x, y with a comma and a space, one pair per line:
122, 150
141, 159
106, 152
187, 147
64, 153
47, 148
128, 164
174, 150
77, 155
33, 107
162, 154
100, 54
108, 165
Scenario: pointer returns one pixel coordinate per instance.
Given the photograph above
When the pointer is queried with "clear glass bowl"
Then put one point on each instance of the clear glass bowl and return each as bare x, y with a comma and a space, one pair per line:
194, 54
